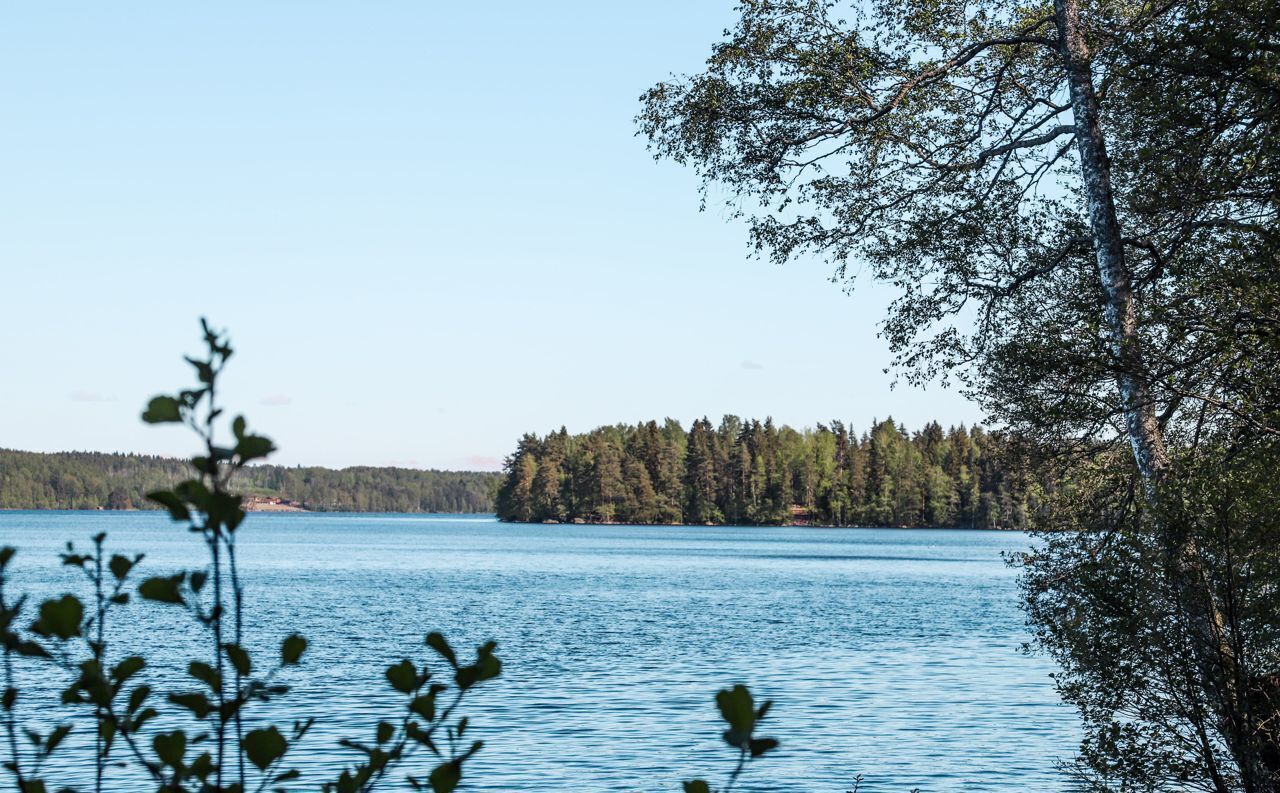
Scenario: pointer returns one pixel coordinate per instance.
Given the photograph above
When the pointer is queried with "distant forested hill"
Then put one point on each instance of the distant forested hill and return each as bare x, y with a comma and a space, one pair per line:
748, 472
88, 480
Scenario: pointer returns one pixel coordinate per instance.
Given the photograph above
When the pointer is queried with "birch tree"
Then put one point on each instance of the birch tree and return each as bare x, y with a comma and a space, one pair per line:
963, 152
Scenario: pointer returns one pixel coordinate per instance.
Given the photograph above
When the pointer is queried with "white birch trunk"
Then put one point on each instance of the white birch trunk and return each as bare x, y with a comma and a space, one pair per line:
1223, 678
1145, 435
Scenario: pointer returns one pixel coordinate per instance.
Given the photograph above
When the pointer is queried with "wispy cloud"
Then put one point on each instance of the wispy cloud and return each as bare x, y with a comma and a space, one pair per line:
752, 365
482, 462
80, 395
276, 400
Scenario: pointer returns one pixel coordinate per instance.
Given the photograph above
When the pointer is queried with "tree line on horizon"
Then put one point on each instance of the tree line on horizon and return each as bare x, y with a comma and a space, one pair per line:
758, 473
93, 480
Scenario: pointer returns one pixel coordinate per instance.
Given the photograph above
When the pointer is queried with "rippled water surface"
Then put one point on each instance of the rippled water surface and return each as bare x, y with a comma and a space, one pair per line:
890, 653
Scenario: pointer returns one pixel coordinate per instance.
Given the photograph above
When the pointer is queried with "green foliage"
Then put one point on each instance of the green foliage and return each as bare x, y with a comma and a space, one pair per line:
292, 649
264, 747
1076, 203
423, 725
213, 742
218, 744
1108, 603
59, 619
738, 709
748, 472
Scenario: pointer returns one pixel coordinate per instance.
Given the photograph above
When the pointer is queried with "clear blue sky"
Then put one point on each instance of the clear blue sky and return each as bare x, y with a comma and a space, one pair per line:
429, 228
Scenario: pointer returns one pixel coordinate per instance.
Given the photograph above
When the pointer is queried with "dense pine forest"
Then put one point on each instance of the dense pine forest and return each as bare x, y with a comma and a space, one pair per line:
751, 472
90, 480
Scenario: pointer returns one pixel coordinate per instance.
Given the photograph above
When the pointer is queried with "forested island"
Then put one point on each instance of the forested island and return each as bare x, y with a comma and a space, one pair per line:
739, 472
93, 480
758, 473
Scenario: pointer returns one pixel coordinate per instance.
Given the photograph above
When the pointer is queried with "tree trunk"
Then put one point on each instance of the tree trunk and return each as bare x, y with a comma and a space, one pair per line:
1143, 428
1224, 682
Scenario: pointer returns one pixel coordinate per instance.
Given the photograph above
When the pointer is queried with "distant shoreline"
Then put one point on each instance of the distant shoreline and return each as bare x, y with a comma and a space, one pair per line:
258, 504
303, 511
796, 525
96, 480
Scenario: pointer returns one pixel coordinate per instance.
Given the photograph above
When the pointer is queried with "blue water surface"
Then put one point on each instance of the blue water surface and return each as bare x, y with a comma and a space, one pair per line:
894, 654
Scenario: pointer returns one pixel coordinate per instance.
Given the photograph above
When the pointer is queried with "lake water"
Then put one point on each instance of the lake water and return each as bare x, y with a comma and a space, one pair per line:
894, 654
